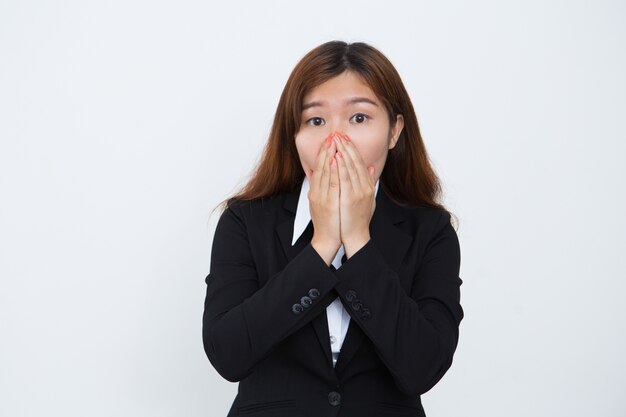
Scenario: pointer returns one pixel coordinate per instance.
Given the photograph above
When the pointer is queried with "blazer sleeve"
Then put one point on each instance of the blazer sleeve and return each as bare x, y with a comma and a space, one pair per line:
414, 334
243, 322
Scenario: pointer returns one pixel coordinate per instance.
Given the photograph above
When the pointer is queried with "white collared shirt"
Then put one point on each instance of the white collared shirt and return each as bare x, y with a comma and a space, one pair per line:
338, 317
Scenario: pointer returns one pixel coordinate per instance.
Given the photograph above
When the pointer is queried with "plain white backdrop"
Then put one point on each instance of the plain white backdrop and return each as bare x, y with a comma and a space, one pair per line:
123, 123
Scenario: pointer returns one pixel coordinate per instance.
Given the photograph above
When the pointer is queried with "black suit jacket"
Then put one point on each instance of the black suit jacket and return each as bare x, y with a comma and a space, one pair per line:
265, 322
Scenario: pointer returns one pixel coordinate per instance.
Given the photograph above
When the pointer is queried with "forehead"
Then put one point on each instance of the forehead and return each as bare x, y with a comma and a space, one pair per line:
340, 87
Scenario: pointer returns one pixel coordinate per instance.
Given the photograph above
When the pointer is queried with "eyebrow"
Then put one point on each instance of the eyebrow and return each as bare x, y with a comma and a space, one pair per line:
353, 100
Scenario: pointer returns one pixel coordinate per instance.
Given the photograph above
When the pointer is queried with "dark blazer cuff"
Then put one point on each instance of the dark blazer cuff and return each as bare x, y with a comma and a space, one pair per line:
298, 294
360, 276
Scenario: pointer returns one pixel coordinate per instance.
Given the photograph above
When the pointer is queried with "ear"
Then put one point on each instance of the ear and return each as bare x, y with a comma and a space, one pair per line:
396, 130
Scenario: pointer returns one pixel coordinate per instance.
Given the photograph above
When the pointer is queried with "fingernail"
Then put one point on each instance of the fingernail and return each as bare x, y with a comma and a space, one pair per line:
347, 138
340, 154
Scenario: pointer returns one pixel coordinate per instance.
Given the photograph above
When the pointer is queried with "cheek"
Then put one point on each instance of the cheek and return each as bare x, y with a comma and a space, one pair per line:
371, 143
307, 150
373, 153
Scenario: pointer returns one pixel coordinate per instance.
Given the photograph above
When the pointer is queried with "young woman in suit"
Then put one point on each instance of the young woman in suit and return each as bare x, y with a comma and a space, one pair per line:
334, 285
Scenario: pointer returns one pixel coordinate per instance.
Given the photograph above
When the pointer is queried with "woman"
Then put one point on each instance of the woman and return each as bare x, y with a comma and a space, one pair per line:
334, 284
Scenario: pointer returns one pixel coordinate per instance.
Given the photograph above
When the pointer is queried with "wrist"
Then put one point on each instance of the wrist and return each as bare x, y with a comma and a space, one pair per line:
325, 250
353, 245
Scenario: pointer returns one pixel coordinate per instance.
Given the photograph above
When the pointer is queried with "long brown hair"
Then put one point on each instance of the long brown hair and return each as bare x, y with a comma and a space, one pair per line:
407, 178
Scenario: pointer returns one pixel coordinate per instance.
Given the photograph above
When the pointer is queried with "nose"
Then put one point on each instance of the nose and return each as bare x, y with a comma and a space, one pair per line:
336, 123
336, 131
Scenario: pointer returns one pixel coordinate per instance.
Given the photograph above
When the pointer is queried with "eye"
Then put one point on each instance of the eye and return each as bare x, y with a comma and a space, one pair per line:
315, 121
360, 117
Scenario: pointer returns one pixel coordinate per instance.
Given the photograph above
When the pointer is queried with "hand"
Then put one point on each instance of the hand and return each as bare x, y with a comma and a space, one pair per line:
357, 201
324, 202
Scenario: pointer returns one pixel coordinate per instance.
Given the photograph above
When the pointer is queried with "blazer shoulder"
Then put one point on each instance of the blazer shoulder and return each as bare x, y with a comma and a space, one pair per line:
428, 216
256, 209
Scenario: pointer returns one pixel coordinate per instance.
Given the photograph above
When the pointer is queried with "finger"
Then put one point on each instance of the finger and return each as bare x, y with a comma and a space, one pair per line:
349, 162
333, 190
322, 161
319, 165
342, 171
359, 165
325, 184
321, 153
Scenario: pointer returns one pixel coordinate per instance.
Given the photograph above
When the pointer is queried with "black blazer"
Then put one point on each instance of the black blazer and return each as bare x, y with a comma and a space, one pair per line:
265, 323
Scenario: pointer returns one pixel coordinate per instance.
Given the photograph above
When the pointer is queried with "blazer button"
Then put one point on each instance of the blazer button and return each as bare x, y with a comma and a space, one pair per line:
314, 293
334, 398
297, 308
306, 301
356, 305
350, 295
365, 313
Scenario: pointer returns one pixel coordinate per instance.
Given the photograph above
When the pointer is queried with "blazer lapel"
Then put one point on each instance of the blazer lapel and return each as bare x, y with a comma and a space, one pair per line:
285, 227
389, 240
285, 234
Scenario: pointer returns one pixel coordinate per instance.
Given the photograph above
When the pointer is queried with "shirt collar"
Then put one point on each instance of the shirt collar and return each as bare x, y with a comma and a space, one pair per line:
303, 215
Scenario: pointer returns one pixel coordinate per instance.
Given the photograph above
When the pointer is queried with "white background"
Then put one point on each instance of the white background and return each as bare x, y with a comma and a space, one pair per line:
123, 123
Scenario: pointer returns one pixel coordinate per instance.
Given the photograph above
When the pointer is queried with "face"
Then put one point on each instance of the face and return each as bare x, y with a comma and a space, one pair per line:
346, 104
